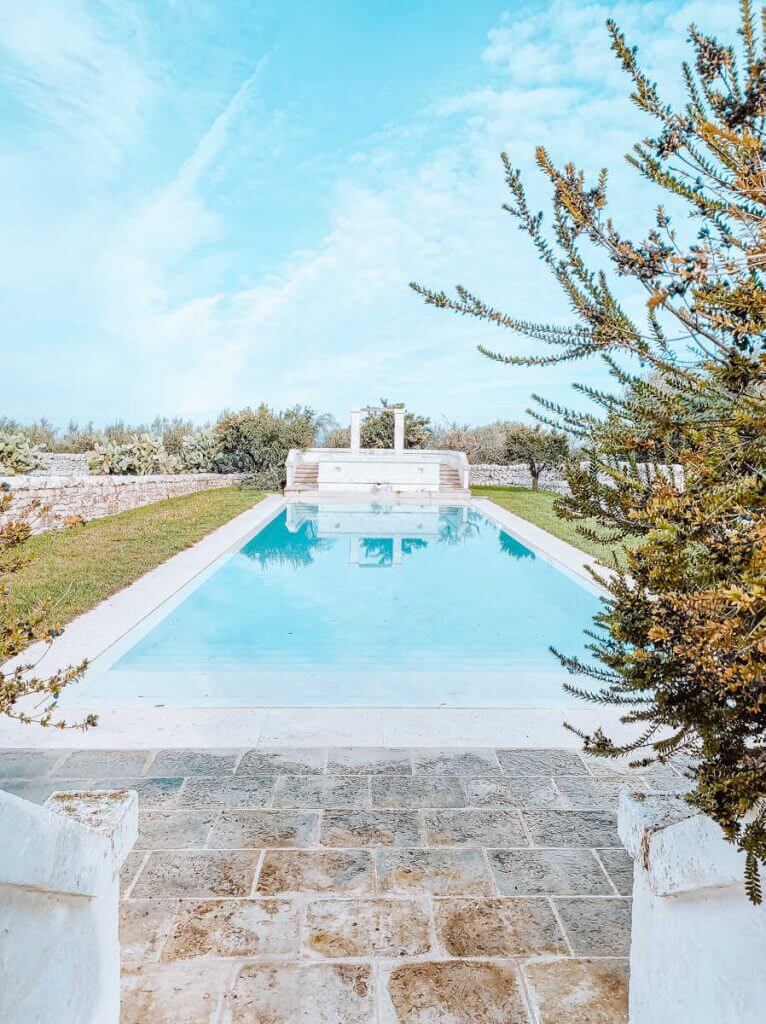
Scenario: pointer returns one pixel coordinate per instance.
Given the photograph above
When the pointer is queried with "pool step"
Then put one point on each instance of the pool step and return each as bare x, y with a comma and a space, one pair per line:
449, 478
306, 476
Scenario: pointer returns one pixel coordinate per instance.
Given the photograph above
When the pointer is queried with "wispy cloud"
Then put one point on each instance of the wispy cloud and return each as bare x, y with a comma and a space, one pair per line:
174, 311
70, 72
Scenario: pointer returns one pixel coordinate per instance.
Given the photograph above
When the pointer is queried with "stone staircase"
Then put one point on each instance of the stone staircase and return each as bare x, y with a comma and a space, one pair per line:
449, 478
306, 476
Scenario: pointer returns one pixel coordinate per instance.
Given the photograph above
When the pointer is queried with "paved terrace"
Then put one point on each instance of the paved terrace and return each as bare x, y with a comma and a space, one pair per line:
364, 886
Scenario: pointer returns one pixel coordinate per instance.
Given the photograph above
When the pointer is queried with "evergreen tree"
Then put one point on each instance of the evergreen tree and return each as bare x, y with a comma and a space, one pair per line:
682, 638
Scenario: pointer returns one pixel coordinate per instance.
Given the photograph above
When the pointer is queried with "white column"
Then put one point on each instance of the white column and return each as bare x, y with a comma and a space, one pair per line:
355, 443
398, 430
353, 551
397, 559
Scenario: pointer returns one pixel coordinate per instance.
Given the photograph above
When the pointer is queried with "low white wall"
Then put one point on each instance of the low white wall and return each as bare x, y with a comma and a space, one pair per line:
93, 497
59, 900
371, 475
697, 944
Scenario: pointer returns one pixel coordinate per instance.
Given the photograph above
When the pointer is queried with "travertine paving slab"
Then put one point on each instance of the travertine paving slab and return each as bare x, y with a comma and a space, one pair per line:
363, 928
303, 872
193, 762
160, 792
235, 928
144, 926
453, 992
130, 868
370, 828
524, 791
572, 828
457, 761
103, 763
160, 829
173, 994
193, 873
237, 829
439, 872
38, 790
422, 791
594, 794
369, 761
474, 827
302, 993
322, 791
239, 791
541, 762
596, 927
542, 872
579, 991
619, 867
282, 761
28, 764
497, 927
360, 886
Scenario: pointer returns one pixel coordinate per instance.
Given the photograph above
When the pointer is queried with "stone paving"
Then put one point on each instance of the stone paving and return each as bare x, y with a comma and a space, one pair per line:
364, 886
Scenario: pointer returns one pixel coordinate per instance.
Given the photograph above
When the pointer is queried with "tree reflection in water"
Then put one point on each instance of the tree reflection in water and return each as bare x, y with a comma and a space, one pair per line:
276, 545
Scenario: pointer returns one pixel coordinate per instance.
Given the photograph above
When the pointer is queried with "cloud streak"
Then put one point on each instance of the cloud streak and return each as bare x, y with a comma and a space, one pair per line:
172, 307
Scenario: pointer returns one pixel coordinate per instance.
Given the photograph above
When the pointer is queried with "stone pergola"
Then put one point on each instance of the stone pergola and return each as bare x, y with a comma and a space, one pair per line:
355, 442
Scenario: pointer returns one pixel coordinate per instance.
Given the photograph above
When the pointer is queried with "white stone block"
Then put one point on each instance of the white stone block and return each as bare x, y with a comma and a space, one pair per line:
59, 898
698, 944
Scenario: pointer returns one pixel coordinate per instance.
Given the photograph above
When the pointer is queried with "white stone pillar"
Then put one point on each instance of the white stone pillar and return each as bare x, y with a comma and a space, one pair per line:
697, 943
59, 896
355, 442
398, 430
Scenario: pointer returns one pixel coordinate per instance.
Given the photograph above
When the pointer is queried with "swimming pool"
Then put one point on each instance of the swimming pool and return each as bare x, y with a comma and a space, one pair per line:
369, 605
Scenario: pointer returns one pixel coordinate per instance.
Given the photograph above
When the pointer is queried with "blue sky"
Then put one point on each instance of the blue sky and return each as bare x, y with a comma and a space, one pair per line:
214, 203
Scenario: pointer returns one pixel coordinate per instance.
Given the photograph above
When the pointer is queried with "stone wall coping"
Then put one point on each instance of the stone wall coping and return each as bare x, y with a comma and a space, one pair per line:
40, 482
680, 850
73, 845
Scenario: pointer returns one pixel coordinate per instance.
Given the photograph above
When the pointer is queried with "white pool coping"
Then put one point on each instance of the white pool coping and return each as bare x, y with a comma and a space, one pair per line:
94, 633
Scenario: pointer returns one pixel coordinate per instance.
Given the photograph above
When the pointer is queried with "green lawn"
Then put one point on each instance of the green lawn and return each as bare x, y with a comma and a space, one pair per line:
72, 570
537, 507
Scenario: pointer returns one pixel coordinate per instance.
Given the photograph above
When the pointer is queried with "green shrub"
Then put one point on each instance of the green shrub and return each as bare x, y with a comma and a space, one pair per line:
18, 455
198, 452
258, 441
140, 454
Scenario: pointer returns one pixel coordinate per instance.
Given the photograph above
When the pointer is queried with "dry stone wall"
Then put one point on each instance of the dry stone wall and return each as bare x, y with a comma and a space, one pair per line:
62, 464
92, 497
516, 475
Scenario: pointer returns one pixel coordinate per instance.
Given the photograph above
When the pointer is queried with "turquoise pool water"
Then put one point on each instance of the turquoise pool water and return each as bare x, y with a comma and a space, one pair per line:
368, 605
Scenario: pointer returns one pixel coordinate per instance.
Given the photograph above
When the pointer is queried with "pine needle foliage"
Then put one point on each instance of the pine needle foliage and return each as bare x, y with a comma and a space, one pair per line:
676, 452
24, 695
